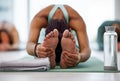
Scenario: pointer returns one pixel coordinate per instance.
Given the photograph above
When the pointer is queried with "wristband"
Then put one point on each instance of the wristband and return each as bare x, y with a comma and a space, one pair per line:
35, 49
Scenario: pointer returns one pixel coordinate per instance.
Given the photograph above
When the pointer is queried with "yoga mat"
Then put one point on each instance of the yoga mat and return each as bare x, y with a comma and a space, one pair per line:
91, 65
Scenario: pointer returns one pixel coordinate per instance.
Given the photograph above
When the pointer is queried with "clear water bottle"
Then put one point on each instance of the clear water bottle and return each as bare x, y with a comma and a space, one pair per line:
110, 48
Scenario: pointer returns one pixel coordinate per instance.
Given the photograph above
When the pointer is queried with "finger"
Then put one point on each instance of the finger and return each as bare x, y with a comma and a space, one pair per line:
66, 58
50, 54
62, 64
45, 49
72, 56
45, 54
69, 55
66, 63
48, 49
42, 54
69, 60
42, 48
70, 64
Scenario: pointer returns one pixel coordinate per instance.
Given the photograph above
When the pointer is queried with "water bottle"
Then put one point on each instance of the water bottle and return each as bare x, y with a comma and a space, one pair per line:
110, 48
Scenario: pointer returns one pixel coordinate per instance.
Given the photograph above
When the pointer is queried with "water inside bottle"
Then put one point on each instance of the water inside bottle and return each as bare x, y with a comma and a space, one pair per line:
110, 47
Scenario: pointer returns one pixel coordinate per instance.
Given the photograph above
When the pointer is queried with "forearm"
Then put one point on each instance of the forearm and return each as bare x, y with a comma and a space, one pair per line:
30, 48
85, 54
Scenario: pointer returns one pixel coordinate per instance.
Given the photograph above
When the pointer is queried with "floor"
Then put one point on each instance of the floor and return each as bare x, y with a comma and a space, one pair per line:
54, 76
61, 76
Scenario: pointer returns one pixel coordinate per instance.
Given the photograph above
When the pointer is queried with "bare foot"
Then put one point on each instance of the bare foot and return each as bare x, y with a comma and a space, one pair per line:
51, 41
68, 42
68, 46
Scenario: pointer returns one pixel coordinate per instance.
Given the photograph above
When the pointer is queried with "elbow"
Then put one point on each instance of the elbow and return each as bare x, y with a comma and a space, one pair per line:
85, 55
88, 53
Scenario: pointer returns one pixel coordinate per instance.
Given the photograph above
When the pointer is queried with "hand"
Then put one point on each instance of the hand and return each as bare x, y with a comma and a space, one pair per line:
69, 60
43, 52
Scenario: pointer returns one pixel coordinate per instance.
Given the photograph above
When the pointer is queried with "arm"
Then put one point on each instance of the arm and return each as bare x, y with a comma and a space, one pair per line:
79, 26
76, 23
37, 23
70, 59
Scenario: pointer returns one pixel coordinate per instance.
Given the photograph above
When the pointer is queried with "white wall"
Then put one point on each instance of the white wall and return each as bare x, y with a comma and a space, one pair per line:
94, 12
20, 18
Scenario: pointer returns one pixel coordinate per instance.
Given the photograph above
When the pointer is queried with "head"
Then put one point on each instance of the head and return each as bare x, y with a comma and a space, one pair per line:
60, 25
5, 37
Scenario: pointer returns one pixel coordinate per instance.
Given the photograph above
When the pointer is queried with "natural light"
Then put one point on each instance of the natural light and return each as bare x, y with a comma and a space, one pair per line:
94, 12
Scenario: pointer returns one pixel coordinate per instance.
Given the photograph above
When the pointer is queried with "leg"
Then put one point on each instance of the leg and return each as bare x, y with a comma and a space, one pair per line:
51, 41
68, 49
68, 42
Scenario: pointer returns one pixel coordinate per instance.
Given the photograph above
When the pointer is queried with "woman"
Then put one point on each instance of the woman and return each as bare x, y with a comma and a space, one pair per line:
9, 38
59, 43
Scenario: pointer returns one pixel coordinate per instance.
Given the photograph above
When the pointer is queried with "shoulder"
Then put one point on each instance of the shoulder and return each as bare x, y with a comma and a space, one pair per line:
74, 17
72, 12
77, 24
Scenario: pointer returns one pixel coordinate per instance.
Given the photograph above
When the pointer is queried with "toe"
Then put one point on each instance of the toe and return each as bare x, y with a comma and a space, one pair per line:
49, 35
72, 37
55, 33
66, 33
